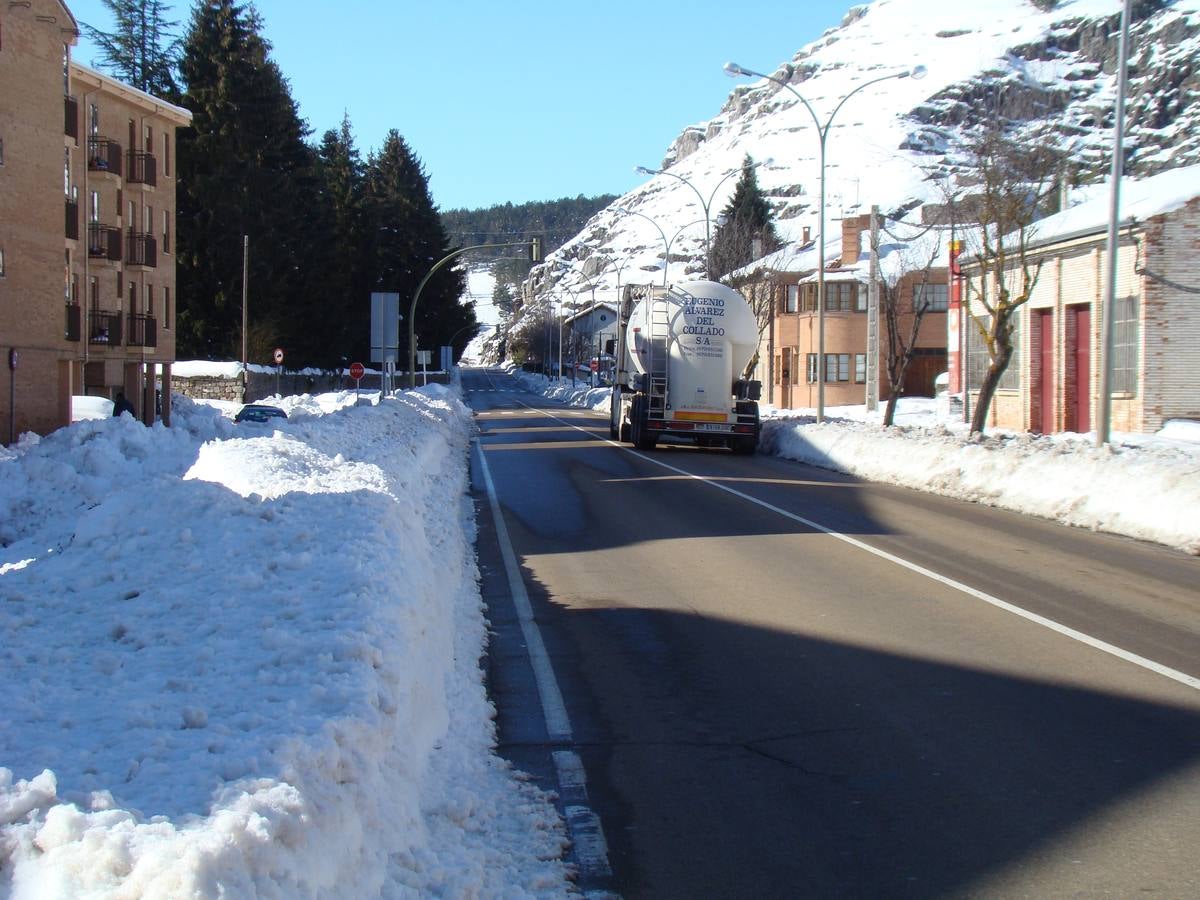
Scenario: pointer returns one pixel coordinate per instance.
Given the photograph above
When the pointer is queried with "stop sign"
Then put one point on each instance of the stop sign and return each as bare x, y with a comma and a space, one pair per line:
356, 371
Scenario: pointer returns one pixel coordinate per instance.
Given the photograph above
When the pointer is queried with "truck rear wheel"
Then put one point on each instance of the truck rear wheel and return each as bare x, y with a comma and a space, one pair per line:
744, 446
641, 436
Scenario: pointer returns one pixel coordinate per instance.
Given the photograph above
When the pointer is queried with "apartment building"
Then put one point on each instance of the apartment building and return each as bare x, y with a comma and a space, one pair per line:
87, 229
783, 288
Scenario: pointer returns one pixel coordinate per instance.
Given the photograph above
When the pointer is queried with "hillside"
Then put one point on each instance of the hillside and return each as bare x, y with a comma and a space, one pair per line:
1046, 67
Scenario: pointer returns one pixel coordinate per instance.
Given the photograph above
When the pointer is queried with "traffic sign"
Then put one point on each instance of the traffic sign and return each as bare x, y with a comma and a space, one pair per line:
357, 371
278, 355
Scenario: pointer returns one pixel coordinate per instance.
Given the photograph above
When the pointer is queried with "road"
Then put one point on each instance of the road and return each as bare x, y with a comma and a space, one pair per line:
783, 682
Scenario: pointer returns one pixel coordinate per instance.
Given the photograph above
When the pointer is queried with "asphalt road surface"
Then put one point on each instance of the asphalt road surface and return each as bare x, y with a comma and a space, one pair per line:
784, 682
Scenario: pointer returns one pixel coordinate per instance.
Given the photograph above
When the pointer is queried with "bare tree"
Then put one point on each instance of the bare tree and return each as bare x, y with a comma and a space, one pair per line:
1014, 180
914, 259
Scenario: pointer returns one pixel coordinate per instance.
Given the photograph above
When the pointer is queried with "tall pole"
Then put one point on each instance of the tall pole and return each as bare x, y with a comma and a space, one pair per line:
734, 70
1104, 413
245, 312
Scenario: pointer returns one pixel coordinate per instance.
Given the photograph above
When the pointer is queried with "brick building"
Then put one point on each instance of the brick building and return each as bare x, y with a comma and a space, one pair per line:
87, 226
782, 289
1052, 383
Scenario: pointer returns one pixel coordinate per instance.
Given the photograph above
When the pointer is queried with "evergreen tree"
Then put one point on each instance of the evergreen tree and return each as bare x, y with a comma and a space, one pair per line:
411, 240
143, 50
748, 232
246, 170
343, 183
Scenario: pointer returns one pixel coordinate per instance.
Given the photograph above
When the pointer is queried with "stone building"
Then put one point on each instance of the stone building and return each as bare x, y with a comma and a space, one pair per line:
87, 228
1052, 383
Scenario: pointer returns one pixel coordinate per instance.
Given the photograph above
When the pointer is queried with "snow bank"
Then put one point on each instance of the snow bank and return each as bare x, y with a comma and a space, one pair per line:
245, 662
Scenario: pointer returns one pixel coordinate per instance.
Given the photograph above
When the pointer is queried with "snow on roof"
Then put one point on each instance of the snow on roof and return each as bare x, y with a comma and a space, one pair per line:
1140, 200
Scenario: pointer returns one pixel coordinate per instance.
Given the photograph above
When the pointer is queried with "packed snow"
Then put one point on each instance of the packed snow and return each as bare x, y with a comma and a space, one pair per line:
1141, 486
244, 661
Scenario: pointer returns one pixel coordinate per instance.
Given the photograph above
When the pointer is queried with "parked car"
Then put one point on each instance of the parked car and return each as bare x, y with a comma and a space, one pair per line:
259, 412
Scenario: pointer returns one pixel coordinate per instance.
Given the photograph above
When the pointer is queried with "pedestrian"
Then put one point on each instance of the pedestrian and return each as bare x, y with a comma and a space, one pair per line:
121, 405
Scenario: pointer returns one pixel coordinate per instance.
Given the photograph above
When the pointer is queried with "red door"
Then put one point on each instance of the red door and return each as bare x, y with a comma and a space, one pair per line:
1042, 406
1079, 373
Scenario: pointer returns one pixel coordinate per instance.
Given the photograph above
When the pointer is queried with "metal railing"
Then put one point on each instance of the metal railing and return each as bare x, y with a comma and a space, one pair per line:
74, 322
142, 249
104, 242
71, 117
143, 330
104, 327
104, 155
72, 223
142, 168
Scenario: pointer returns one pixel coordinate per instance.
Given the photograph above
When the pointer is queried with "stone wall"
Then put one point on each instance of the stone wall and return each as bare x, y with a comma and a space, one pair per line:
263, 385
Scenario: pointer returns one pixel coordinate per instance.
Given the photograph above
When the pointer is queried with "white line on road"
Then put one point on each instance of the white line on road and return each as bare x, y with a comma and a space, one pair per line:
1065, 630
584, 826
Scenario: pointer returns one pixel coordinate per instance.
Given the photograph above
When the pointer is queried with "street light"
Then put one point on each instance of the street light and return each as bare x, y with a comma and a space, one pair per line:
733, 70
666, 243
706, 205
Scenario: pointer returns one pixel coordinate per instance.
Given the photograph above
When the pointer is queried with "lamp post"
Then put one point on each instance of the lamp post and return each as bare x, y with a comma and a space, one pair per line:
706, 205
734, 70
535, 250
666, 243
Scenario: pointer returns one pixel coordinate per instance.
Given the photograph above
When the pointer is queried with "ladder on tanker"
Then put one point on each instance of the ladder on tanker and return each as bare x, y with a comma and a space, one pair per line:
660, 353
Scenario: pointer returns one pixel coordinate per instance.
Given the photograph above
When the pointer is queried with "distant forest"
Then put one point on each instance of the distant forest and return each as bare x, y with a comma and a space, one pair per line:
554, 221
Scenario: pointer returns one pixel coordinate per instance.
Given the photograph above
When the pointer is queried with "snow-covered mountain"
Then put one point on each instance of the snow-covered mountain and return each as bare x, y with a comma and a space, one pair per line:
1048, 65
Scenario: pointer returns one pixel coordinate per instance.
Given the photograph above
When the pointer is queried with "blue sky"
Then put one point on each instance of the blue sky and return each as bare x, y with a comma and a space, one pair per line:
526, 100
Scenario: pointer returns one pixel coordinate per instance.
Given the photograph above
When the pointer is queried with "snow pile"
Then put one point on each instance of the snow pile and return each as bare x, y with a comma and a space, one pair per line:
1141, 486
1147, 490
244, 661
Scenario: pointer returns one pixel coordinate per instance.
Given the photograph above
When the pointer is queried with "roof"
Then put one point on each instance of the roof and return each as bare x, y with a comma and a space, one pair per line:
176, 114
589, 309
1140, 199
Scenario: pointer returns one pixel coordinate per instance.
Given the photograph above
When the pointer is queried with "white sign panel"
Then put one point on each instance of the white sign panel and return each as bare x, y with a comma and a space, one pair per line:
385, 327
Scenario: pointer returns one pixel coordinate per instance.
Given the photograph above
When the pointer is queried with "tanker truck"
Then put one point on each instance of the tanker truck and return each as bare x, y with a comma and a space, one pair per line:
680, 353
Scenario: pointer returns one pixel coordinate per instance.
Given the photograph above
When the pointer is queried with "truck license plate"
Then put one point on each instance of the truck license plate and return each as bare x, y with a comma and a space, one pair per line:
711, 427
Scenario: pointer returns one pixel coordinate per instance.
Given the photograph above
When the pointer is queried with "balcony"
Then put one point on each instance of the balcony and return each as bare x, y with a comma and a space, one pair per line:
104, 156
142, 249
74, 320
71, 117
143, 331
142, 169
104, 328
72, 219
104, 242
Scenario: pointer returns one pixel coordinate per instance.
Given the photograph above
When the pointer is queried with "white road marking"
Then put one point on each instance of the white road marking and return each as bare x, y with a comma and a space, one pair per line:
584, 826
1065, 630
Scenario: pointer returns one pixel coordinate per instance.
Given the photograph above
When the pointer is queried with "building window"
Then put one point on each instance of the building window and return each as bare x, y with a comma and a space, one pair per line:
120, 284
841, 296
785, 365
837, 367
1125, 346
932, 297
1, 151
148, 219
93, 120
2, 262
860, 300
812, 368
791, 297
166, 317
148, 142
133, 297
860, 368
94, 291
978, 359
166, 154
166, 232
94, 207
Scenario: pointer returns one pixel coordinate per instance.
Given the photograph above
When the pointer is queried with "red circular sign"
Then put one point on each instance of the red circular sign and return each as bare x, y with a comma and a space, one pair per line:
357, 371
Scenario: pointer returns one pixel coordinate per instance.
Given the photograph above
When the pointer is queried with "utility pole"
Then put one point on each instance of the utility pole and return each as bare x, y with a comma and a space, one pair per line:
245, 311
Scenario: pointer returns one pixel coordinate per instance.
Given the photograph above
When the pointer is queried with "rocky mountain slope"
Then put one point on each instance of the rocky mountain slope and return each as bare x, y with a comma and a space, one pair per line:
1046, 66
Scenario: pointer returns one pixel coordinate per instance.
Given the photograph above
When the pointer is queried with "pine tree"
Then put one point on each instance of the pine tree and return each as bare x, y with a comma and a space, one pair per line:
143, 50
246, 170
343, 183
748, 232
411, 240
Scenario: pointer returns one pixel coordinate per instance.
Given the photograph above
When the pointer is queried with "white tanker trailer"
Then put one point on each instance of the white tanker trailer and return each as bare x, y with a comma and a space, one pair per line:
680, 352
